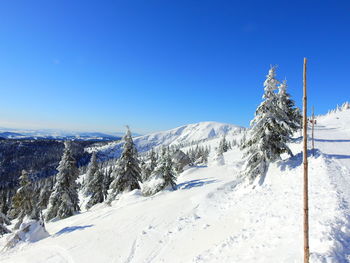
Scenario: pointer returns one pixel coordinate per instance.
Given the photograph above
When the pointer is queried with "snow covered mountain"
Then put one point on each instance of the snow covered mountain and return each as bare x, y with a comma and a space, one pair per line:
183, 135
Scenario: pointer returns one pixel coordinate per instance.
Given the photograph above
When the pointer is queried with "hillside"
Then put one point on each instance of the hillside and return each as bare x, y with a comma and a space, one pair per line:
214, 216
184, 135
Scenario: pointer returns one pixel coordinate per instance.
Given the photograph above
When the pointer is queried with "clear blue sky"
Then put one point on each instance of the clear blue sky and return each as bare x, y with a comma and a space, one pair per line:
98, 65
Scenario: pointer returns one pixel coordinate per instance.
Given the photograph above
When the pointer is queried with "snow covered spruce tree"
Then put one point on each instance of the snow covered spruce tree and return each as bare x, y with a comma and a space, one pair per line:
163, 176
64, 199
128, 172
290, 114
148, 166
90, 175
46, 187
24, 202
96, 188
266, 140
223, 146
3, 222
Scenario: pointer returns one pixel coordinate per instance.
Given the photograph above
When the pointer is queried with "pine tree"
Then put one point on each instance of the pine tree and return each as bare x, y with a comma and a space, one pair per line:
45, 192
290, 115
3, 222
107, 180
266, 139
90, 174
128, 172
166, 170
64, 199
25, 201
96, 188
223, 146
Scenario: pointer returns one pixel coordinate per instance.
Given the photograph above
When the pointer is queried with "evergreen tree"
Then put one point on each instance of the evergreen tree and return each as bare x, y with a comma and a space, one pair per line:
45, 192
153, 160
90, 175
107, 180
25, 201
166, 170
3, 222
96, 188
289, 113
128, 172
223, 146
266, 139
64, 199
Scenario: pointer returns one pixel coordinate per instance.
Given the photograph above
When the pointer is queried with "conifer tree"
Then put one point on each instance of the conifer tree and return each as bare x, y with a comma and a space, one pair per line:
45, 192
90, 174
3, 222
289, 113
166, 171
107, 180
266, 139
128, 172
96, 188
64, 199
24, 201
223, 146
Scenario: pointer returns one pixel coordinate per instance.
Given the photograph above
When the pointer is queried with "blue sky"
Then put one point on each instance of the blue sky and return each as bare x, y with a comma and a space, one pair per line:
98, 65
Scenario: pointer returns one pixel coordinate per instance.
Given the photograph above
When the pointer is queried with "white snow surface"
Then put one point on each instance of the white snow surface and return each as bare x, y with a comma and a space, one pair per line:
214, 216
182, 135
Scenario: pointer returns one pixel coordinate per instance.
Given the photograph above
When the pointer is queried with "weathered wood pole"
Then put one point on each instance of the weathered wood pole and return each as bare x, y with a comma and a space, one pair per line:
306, 197
313, 128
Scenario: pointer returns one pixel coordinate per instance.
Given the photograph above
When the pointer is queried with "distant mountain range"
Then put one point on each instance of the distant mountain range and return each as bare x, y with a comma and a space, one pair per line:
10, 133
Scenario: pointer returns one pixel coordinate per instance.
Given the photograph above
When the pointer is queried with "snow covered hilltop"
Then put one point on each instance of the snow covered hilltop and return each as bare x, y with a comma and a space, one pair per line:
214, 216
186, 135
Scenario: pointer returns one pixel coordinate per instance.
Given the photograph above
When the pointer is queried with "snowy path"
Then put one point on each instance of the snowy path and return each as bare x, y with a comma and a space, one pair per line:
214, 217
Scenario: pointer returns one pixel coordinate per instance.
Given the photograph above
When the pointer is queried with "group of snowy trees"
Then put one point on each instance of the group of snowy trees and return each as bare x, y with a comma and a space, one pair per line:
60, 196
275, 121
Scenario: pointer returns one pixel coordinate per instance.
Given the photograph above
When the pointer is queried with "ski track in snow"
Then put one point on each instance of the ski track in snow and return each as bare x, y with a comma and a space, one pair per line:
214, 216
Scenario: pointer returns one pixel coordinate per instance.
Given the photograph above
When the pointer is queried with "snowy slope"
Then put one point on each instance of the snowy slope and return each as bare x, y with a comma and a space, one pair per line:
215, 217
182, 135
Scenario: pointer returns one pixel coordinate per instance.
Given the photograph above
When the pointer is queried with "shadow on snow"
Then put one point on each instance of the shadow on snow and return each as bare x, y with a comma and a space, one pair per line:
195, 183
71, 229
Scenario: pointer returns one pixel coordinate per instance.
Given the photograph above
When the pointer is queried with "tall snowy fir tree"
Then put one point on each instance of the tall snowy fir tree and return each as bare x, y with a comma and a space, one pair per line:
96, 189
266, 139
166, 170
128, 172
24, 201
64, 199
3, 222
291, 114
90, 175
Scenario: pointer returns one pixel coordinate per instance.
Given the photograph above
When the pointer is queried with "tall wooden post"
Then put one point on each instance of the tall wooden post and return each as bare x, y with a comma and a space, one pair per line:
306, 198
313, 128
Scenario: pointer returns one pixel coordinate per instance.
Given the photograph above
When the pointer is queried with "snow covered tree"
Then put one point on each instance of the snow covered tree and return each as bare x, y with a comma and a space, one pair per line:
266, 139
163, 176
3, 222
223, 146
128, 172
45, 191
24, 201
64, 199
96, 188
107, 180
90, 175
290, 114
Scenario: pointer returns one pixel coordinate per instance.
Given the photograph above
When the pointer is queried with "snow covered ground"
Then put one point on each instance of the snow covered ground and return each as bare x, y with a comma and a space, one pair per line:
214, 216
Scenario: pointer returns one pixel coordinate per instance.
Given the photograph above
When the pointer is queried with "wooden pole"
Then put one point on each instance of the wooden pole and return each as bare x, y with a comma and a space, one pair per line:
306, 198
313, 128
